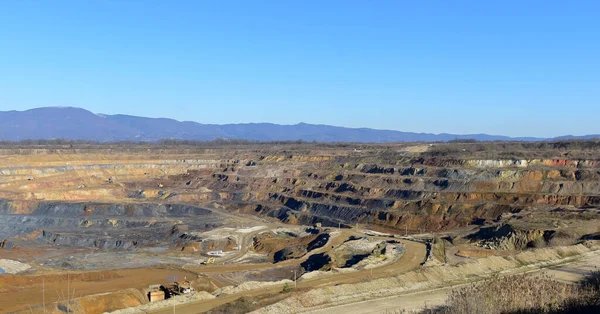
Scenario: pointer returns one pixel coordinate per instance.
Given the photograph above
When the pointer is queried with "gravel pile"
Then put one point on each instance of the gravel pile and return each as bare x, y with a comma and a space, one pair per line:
8, 266
251, 285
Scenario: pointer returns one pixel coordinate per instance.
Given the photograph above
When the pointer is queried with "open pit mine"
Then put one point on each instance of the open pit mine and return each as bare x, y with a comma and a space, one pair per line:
285, 227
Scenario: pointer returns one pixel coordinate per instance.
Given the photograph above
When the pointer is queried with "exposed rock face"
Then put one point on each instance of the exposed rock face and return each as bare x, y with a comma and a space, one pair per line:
55, 209
319, 242
386, 186
352, 252
5, 244
288, 245
102, 226
300, 250
205, 245
412, 193
506, 237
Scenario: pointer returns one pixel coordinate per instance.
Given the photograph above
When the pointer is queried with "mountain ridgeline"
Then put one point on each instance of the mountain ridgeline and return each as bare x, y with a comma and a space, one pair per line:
80, 124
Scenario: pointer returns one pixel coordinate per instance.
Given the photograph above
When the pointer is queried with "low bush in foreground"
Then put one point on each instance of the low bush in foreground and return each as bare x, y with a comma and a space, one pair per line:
524, 294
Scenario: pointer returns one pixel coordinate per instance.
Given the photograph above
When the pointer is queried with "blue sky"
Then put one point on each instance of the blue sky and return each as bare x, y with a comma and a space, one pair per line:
520, 68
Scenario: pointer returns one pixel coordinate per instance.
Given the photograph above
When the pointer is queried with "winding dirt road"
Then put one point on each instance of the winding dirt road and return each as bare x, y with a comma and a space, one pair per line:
414, 254
570, 272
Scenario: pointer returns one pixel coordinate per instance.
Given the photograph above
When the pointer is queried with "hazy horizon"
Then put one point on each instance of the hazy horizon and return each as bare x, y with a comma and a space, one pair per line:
294, 124
467, 67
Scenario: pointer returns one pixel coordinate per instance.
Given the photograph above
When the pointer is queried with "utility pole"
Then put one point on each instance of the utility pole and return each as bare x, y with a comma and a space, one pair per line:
444, 244
178, 292
295, 281
68, 293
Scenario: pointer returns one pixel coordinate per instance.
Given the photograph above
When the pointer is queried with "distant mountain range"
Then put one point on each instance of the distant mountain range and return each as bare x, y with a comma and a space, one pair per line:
80, 124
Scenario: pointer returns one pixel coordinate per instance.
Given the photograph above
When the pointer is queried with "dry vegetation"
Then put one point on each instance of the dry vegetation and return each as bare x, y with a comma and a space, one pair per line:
524, 294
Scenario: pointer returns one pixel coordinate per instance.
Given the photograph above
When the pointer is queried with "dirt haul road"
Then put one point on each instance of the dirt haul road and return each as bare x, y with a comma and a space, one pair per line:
569, 272
414, 254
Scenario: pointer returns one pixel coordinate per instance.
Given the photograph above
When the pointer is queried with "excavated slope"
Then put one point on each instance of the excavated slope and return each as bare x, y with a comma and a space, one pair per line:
386, 186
